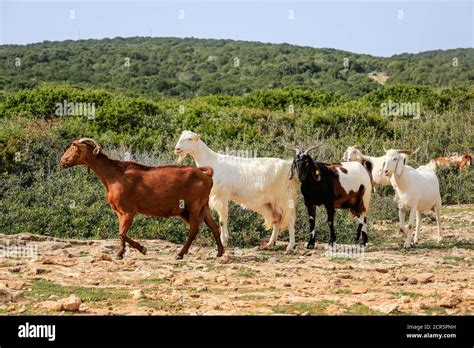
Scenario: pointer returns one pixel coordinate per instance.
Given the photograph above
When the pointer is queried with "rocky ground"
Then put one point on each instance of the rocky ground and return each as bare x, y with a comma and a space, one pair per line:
82, 277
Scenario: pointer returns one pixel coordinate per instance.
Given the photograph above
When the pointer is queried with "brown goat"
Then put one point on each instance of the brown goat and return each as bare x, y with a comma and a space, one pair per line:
164, 191
456, 161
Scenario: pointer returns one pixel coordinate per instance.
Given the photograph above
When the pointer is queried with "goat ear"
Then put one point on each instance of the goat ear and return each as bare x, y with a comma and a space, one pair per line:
96, 151
316, 175
399, 167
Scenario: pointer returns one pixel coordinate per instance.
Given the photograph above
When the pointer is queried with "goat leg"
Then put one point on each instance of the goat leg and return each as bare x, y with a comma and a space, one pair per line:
215, 230
330, 212
193, 230
125, 221
312, 224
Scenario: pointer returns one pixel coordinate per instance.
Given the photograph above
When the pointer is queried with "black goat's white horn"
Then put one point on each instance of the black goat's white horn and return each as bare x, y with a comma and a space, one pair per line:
312, 148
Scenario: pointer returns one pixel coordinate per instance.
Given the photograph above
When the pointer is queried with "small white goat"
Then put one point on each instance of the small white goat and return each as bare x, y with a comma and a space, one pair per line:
259, 184
417, 189
353, 153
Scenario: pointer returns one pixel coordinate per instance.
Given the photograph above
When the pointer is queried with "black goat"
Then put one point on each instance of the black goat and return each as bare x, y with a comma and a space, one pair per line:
345, 185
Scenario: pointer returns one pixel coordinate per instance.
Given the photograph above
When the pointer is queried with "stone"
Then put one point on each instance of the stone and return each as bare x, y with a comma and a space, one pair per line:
180, 281
448, 302
101, 256
138, 294
344, 276
359, 290
381, 270
387, 308
71, 303
51, 305
5, 295
412, 281
424, 278
245, 282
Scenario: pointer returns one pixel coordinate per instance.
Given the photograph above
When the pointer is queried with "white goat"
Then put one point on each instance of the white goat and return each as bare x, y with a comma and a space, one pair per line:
259, 184
353, 153
417, 189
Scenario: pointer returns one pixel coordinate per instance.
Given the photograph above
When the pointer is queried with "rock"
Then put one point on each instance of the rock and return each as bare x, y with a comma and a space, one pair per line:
412, 281
344, 276
381, 270
5, 295
51, 305
102, 257
272, 260
138, 294
180, 281
304, 314
387, 308
53, 298
385, 283
424, 278
202, 288
195, 295
401, 278
245, 282
19, 296
448, 302
220, 279
287, 285
40, 270
468, 293
405, 299
71, 303
359, 290
337, 282
15, 269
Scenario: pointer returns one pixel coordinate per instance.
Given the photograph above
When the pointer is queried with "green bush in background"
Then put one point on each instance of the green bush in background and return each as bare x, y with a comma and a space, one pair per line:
37, 196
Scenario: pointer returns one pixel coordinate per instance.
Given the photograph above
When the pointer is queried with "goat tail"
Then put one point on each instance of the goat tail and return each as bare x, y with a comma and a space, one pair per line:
432, 165
207, 170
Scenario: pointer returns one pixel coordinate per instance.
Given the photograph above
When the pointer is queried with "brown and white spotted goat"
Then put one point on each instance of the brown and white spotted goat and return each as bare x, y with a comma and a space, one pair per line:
164, 191
456, 161
345, 185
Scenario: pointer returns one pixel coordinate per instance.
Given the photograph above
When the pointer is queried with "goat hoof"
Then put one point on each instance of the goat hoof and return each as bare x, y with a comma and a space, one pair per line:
179, 257
119, 257
220, 253
267, 246
144, 250
310, 246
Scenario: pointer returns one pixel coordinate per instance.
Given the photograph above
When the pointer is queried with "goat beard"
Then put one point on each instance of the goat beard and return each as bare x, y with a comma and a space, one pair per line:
181, 157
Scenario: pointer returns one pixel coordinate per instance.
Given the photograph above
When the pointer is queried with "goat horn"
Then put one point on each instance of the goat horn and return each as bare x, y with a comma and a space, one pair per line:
91, 141
384, 148
297, 150
312, 148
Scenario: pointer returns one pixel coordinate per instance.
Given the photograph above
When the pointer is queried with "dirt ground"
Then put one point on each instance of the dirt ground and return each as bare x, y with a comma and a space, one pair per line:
428, 279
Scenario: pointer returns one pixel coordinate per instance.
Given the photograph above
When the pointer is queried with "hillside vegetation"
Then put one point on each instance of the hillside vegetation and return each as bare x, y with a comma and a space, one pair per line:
156, 67
39, 197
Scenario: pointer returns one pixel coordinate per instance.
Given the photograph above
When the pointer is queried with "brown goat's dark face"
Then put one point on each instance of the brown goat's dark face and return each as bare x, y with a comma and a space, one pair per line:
74, 155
